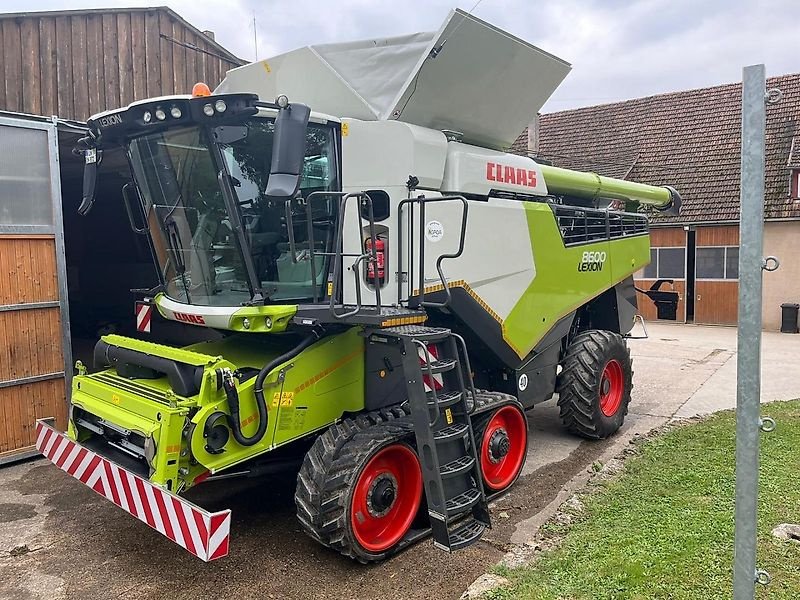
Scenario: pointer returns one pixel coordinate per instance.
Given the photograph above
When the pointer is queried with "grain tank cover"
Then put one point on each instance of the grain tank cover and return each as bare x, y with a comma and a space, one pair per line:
469, 77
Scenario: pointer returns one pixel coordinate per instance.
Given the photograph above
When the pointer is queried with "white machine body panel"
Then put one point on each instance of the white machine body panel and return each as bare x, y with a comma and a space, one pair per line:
469, 76
475, 170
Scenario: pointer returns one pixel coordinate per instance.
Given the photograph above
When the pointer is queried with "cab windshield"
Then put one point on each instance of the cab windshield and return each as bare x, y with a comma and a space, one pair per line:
181, 173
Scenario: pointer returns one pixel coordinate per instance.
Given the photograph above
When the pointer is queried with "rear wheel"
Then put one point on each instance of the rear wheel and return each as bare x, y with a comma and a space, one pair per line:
502, 440
360, 492
595, 384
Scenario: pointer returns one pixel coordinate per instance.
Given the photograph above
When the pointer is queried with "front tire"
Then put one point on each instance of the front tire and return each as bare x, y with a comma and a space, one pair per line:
595, 384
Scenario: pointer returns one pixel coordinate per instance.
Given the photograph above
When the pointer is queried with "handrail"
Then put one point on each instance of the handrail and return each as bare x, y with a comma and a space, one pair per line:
462, 237
468, 366
338, 255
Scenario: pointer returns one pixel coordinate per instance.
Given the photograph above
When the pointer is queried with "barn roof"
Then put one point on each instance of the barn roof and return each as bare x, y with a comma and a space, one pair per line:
221, 50
690, 140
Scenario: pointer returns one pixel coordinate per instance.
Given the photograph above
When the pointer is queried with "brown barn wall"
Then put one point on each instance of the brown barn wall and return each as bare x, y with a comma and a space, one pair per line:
78, 64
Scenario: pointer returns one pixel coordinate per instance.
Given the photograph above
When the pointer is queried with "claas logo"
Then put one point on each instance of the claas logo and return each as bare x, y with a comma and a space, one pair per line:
186, 318
506, 174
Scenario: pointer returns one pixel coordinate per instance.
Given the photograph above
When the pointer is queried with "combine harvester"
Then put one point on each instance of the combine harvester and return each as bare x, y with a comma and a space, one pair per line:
394, 290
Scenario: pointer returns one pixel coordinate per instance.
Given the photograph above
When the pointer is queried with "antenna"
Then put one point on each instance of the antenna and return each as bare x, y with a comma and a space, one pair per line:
255, 35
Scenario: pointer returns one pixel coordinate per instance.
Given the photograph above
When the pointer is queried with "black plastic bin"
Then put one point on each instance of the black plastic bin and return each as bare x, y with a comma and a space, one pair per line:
789, 312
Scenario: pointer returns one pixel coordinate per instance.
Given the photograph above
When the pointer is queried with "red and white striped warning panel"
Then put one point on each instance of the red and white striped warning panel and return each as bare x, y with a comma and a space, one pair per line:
438, 380
144, 312
204, 534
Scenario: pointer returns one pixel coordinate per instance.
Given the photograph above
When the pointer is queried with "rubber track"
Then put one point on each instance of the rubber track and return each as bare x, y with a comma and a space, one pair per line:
577, 383
328, 470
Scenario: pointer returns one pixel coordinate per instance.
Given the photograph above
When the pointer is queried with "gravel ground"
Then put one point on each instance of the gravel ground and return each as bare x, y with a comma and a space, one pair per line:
60, 540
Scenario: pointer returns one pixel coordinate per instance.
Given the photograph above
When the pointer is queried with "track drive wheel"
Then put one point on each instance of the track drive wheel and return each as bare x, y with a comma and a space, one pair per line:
595, 384
502, 440
361, 497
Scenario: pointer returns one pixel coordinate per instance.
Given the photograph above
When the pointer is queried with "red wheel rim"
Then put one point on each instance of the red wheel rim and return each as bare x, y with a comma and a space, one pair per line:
612, 385
386, 498
503, 447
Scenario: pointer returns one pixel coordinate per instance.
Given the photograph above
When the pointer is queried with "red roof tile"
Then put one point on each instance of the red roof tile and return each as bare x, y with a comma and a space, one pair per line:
690, 140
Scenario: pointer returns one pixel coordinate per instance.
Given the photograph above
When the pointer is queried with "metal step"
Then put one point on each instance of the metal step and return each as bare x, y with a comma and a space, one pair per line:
439, 366
422, 333
445, 399
457, 466
466, 533
453, 431
463, 502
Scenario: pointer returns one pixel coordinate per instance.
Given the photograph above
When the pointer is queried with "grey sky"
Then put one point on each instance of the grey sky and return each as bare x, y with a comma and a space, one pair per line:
618, 49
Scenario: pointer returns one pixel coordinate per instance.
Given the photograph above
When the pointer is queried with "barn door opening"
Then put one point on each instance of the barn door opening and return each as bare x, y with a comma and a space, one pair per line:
34, 323
690, 259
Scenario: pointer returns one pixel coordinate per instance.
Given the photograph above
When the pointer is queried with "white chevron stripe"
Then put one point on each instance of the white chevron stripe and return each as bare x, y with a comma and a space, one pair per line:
117, 483
96, 474
40, 436
151, 502
137, 501
217, 537
199, 544
73, 454
173, 520
49, 446
62, 446
84, 465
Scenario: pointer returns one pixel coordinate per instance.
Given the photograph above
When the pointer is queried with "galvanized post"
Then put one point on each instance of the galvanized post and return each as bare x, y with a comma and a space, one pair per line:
748, 397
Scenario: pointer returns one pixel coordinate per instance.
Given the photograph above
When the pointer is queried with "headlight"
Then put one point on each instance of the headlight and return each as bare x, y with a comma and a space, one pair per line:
220, 106
160, 114
208, 110
175, 112
147, 116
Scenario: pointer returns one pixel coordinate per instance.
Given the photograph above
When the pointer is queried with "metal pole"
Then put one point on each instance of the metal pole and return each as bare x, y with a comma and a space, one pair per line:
748, 378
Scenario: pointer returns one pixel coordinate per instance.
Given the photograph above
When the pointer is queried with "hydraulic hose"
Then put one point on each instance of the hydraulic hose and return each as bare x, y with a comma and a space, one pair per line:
233, 395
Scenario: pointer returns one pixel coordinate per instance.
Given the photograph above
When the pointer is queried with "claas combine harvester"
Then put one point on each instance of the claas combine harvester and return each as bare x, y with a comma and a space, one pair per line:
388, 289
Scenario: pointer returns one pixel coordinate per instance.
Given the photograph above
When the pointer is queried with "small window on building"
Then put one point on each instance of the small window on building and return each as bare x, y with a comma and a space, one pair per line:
651, 270
718, 262
665, 263
671, 263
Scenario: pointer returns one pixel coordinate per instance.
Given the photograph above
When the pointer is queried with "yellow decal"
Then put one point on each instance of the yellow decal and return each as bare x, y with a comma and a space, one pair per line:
448, 416
173, 449
330, 288
266, 67
282, 399
115, 399
250, 419
345, 129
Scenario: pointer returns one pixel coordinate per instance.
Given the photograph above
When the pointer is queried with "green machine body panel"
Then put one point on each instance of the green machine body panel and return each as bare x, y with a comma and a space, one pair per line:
303, 395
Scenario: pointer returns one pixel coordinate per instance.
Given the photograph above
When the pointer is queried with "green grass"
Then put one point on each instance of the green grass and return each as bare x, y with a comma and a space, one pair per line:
664, 529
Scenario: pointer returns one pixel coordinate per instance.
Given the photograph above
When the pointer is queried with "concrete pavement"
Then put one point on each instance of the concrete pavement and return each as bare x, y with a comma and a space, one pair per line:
60, 540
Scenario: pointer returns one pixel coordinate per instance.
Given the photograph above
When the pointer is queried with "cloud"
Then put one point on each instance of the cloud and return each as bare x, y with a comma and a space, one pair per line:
619, 49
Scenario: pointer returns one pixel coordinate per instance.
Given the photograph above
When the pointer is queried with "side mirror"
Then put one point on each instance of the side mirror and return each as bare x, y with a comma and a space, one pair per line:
288, 149
92, 158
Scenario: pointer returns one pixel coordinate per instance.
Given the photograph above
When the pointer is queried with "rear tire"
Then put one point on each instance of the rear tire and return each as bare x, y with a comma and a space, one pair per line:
595, 384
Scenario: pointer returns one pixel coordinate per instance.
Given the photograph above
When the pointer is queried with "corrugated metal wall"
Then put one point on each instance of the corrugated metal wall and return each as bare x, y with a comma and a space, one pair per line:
75, 64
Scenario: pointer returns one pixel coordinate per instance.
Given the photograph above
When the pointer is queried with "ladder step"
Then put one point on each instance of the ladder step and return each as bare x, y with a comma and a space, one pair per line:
423, 333
463, 502
466, 534
439, 366
457, 466
455, 430
445, 399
